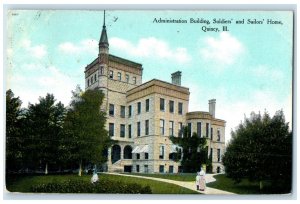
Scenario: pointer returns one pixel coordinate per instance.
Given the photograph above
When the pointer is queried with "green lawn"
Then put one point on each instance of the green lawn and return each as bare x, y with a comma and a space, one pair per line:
23, 184
245, 186
176, 177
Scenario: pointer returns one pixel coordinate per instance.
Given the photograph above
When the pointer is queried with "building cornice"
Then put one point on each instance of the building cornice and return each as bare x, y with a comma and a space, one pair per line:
205, 115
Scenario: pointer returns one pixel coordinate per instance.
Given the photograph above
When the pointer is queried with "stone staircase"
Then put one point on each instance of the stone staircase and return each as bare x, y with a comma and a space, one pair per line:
118, 166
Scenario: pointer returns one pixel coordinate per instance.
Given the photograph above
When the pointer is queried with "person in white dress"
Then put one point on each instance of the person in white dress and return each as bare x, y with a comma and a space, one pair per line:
94, 178
202, 183
198, 180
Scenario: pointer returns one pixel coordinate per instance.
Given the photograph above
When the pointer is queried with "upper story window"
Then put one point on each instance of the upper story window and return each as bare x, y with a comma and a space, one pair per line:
190, 129
138, 129
122, 111
129, 131
161, 152
180, 129
101, 70
88, 82
134, 80
180, 106
122, 130
111, 129
162, 104
111, 74
92, 80
119, 76
219, 155
127, 78
199, 129
211, 133
171, 106
111, 109
146, 127
219, 135
139, 107
95, 77
162, 126
147, 105
207, 129
129, 111
171, 128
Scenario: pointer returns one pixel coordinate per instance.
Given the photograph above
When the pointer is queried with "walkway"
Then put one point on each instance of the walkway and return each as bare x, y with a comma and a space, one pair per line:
186, 184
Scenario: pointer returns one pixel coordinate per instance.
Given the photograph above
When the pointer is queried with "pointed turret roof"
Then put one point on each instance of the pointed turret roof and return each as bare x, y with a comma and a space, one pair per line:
103, 39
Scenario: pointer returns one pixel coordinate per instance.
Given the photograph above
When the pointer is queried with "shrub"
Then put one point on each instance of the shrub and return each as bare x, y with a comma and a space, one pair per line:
102, 186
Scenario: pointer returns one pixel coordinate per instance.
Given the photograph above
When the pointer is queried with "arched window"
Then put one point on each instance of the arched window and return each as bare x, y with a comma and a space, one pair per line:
127, 152
115, 153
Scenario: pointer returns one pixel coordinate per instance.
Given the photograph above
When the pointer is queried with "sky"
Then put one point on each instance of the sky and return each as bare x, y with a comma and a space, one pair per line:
247, 68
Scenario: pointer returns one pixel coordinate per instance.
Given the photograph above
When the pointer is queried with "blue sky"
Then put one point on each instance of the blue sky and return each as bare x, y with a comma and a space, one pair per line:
248, 68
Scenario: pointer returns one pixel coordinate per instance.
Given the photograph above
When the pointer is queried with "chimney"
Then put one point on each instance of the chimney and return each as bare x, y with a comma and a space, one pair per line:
176, 78
212, 107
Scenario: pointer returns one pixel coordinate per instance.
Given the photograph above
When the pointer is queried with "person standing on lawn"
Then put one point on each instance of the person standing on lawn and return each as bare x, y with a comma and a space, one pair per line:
202, 183
198, 180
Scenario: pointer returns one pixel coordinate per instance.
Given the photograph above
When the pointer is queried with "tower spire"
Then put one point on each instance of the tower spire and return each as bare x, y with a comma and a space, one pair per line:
103, 39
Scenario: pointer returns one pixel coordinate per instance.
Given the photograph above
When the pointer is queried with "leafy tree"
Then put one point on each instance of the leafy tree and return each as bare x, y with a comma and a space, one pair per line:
85, 137
14, 139
194, 151
45, 122
261, 150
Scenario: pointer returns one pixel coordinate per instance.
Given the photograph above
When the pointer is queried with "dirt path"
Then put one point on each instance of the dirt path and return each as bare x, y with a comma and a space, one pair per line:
185, 184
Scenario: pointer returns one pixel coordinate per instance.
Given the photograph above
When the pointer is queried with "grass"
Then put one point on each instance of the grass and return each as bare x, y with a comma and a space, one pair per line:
23, 183
246, 187
176, 177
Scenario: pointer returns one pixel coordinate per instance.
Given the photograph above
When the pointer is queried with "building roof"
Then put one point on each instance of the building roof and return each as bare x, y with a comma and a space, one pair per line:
202, 115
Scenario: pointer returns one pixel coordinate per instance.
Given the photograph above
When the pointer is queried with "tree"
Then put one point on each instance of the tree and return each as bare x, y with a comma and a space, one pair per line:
14, 139
45, 122
85, 137
261, 150
194, 151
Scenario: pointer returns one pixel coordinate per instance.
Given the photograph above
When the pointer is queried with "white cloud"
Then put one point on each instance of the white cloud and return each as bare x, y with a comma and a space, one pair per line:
84, 46
224, 50
38, 51
151, 47
267, 72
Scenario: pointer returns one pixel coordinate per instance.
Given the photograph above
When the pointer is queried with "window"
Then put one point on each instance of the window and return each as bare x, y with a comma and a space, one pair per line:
138, 156
171, 169
88, 82
146, 155
95, 77
111, 109
161, 168
162, 127
211, 153
92, 80
138, 129
180, 129
190, 129
199, 129
161, 152
129, 111
171, 128
101, 70
171, 106
119, 76
122, 130
146, 127
122, 112
139, 107
219, 155
207, 129
127, 78
134, 80
147, 105
111, 74
146, 170
180, 108
111, 129
137, 168
162, 104
129, 131
211, 133
219, 135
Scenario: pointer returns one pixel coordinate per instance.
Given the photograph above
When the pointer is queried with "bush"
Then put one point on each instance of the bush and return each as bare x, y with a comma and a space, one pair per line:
86, 187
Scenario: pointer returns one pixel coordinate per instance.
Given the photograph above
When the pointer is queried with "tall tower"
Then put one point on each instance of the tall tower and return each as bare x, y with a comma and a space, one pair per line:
103, 64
